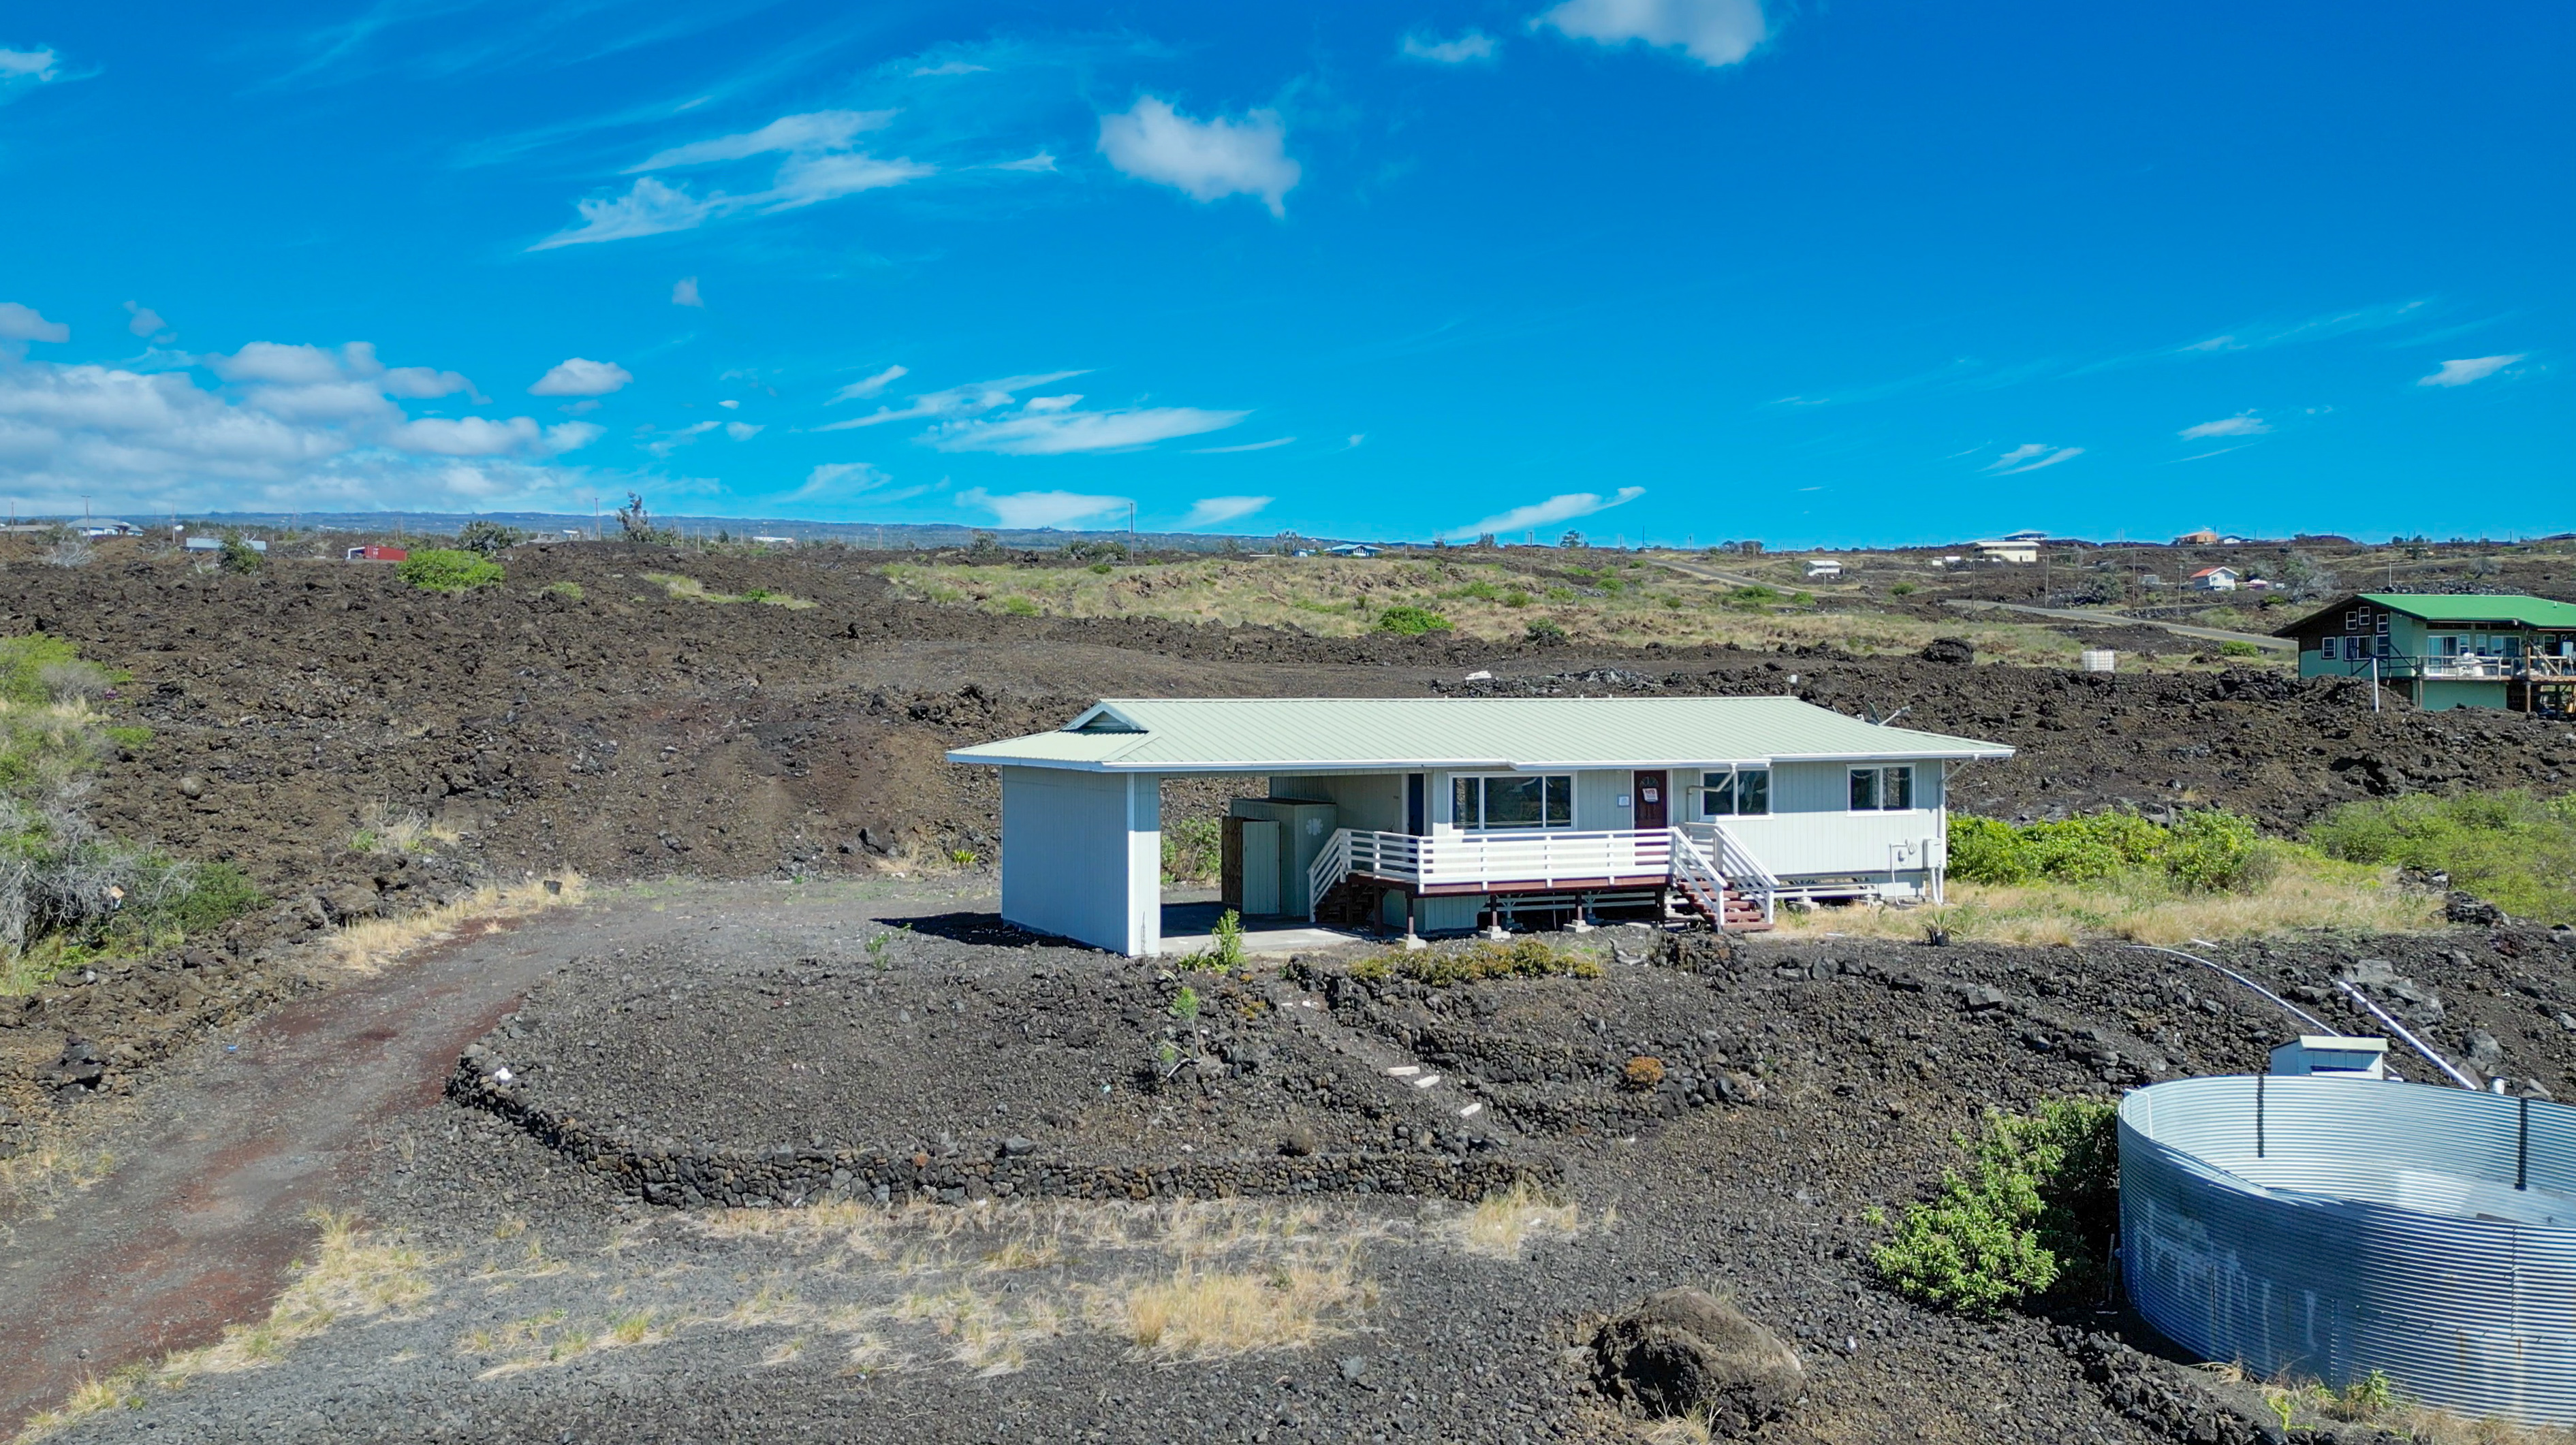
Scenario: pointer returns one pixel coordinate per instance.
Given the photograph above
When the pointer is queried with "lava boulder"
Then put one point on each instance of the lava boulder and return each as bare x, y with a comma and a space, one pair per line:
1686, 1352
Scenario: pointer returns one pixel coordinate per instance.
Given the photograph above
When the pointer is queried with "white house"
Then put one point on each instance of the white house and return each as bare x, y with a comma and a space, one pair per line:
2214, 579
2008, 549
1441, 814
1822, 568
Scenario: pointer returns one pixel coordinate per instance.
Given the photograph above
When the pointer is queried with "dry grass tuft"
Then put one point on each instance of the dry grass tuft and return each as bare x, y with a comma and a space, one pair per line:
34, 1179
2306, 893
690, 589
1200, 1314
352, 1276
370, 944
1500, 1225
983, 1331
382, 830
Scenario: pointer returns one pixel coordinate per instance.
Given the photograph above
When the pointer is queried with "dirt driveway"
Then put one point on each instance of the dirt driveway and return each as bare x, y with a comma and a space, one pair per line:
228, 1156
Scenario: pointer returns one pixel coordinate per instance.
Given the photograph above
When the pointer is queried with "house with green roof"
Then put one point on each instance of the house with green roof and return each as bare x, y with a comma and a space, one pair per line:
2445, 651
1426, 815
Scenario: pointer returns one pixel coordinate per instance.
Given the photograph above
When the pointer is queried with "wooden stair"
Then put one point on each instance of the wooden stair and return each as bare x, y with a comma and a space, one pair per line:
1732, 913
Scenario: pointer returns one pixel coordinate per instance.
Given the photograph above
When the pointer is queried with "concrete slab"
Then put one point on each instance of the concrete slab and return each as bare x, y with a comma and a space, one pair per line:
1190, 927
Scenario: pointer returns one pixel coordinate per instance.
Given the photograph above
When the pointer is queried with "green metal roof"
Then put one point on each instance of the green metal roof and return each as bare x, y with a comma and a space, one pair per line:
2512, 609
1341, 734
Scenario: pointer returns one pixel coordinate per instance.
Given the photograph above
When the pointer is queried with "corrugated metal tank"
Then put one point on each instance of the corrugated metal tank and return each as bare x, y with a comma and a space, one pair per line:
2320, 1227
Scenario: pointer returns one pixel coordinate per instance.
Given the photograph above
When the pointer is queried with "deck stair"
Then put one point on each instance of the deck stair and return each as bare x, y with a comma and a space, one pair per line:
1702, 870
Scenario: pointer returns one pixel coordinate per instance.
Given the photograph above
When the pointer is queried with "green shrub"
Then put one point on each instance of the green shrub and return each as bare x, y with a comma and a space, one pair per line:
1019, 607
2513, 847
486, 538
2206, 851
1103, 568
1903, 589
1410, 621
239, 556
24, 661
570, 591
2239, 649
2033, 1213
444, 569
1544, 631
1190, 849
1527, 956
1516, 598
213, 895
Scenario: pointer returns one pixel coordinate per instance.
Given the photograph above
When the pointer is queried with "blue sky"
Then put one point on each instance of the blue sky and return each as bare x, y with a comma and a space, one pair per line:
1659, 269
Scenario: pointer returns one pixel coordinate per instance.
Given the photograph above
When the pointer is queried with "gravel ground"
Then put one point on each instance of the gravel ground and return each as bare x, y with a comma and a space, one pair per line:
1829, 1077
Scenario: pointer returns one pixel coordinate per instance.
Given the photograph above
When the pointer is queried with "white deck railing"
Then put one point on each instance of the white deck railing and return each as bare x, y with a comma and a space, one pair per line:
1709, 857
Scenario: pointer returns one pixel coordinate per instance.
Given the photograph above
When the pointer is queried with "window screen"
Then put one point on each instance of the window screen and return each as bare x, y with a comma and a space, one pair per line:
1536, 801
1745, 792
1882, 789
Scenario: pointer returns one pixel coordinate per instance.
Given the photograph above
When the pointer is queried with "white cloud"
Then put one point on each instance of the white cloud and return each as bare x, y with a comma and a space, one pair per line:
27, 69
1473, 46
2475, 368
684, 292
1040, 509
2243, 424
1712, 32
844, 479
951, 67
1206, 160
973, 399
422, 382
743, 431
1042, 161
1054, 433
821, 130
145, 320
730, 404
2030, 457
1246, 447
1561, 508
1053, 403
669, 442
804, 180
26, 323
578, 376
647, 209
1208, 511
280, 425
819, 165
870, 386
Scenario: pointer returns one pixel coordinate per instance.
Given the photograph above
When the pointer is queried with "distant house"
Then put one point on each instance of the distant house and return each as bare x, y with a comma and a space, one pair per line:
1821, 568
2005, 549
1353, 549
2024, 537
216, 544
2214, 579
377, 553
2444, 651
2205, 537
109, 527
774, 541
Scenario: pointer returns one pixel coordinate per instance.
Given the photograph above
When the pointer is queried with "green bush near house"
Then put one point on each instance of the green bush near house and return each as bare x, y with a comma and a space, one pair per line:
2514, 848
1410, 621
1190, 848
445, 569
2032, 1213
2239, 649
2205, 851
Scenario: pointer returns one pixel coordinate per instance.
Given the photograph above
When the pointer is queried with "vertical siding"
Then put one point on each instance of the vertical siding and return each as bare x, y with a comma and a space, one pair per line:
1596, 799
1372, 801
1810, 788
1068, 855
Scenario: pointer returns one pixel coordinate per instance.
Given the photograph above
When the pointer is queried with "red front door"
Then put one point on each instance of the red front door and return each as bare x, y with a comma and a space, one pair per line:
1652, 808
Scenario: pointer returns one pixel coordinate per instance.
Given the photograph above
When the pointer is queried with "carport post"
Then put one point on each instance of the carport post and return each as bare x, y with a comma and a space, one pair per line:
1144, 864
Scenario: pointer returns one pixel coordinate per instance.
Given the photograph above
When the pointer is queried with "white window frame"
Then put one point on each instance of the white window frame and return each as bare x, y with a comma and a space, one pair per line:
1481, 826
1734, 793
1878, 788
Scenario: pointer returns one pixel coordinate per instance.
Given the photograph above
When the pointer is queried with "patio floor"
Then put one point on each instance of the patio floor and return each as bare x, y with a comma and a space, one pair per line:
1189, 927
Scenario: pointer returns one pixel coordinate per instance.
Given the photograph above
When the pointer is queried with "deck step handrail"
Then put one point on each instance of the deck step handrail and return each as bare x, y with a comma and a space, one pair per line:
1736, 864
1330, 867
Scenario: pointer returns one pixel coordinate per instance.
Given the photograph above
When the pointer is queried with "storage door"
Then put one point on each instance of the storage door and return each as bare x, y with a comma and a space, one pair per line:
1260, 868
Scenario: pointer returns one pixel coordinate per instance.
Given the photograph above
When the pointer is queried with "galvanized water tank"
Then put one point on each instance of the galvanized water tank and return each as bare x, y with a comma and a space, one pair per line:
2324, 1227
